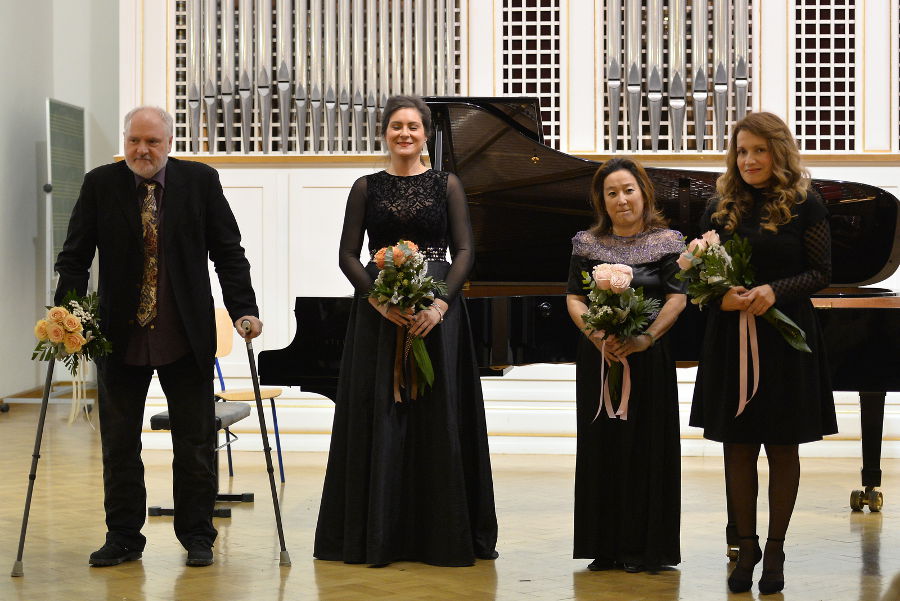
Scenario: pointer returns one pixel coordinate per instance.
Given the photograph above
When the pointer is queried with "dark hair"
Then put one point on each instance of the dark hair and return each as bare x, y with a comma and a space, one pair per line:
395, 103
651, 216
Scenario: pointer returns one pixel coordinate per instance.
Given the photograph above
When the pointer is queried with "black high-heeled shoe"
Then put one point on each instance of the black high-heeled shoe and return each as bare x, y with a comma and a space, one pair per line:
772, 580
741, 578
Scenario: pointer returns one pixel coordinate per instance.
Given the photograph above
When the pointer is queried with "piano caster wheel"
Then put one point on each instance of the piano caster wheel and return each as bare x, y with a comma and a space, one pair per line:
875, 500
860, 498
732, 552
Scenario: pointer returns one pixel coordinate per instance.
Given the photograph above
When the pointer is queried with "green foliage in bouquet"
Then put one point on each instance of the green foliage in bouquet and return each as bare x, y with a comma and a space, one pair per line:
711, 268
403, 281
71, 332
622, 314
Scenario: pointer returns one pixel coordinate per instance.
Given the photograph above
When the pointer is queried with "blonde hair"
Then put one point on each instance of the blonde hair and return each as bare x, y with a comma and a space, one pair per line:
789, 183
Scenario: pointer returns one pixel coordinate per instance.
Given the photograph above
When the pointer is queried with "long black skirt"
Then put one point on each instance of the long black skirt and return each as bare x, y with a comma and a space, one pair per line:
628, 473
408, 481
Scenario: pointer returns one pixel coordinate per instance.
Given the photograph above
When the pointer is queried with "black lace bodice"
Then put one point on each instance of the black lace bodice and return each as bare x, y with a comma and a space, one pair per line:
429, 209
795, 260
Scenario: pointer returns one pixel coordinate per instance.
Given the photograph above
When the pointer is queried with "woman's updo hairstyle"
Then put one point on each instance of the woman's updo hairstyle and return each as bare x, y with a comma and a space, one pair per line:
395, 103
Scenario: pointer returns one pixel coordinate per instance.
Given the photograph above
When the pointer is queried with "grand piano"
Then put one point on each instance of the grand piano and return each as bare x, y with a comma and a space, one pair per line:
526, 202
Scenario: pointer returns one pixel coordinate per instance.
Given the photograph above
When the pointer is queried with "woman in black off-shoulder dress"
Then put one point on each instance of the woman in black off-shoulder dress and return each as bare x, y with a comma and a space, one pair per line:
764, 196
412, 480
627, 474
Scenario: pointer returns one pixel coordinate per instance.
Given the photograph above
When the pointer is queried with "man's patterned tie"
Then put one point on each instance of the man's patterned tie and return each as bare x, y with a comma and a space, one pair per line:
150, 224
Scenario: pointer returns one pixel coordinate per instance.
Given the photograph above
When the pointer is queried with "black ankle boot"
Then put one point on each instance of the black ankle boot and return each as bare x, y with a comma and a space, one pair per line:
741, 578
772, 580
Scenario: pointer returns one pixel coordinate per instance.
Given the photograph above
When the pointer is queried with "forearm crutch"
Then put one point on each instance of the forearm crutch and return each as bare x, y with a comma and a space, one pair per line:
284, 559
17, 566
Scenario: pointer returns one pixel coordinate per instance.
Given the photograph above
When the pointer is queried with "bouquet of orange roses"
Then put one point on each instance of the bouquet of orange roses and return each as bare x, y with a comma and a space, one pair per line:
404, 282
615, 308
712, 268
71, 332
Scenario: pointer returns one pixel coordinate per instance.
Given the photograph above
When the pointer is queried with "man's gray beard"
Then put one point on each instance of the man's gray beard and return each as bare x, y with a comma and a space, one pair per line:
165, 161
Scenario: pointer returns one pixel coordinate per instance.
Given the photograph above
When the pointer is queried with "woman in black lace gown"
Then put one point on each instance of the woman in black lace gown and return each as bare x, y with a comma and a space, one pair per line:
764, 196
411, 480
627, 473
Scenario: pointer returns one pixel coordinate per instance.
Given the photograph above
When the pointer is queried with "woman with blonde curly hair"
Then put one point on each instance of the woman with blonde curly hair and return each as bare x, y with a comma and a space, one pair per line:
765, 197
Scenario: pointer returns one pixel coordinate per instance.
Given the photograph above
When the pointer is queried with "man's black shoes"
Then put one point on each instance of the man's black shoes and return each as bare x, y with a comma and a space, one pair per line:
112, 554
199, 554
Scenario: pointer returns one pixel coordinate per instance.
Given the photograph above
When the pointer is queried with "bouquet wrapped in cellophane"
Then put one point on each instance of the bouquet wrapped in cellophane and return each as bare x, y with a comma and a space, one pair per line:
403, 281
712, 268
616, 309
71, 332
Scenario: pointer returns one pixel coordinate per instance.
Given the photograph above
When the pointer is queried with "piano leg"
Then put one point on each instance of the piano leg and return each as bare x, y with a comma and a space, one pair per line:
872, 422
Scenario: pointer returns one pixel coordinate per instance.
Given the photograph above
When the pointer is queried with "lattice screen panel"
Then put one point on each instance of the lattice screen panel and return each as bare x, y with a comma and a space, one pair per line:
531, 58
825, 75
391, 39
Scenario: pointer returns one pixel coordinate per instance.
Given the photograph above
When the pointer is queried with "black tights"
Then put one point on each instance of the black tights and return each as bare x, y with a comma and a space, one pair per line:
743, 486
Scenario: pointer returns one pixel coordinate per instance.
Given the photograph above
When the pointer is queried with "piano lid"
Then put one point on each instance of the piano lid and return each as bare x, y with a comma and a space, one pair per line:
527, 200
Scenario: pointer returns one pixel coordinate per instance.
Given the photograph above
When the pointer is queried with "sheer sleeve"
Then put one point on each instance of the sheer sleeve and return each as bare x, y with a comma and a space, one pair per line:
817, 246
462, 243
352, 238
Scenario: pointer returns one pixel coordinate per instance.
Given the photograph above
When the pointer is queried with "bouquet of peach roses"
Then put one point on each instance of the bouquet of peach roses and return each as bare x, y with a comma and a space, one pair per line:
712, 268
71, 332
403, 281
615, 308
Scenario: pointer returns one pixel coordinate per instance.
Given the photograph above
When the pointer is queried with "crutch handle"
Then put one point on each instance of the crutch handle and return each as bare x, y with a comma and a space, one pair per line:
245, 325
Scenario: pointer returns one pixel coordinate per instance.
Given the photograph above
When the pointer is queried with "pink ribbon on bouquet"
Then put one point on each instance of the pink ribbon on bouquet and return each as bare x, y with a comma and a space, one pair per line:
747, 328
605, 399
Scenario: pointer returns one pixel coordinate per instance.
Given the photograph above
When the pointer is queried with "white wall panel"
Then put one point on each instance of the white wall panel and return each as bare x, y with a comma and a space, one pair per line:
318, 200
580, 96
482, 69
876, 64
771, 73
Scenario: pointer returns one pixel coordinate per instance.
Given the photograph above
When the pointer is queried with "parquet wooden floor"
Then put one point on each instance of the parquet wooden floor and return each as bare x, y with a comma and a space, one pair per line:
833, 554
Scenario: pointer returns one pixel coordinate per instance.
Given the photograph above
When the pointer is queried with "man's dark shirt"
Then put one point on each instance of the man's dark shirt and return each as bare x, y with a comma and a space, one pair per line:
162, 341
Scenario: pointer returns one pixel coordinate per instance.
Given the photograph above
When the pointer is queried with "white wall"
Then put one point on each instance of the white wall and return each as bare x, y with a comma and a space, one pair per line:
86, 70
68, 50
27, 75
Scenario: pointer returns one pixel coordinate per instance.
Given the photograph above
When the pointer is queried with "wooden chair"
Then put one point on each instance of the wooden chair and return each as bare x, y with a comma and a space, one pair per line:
224, 339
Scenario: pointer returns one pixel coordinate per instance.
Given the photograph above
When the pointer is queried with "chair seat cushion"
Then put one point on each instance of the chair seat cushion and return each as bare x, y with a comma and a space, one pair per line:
226, 414
247, 394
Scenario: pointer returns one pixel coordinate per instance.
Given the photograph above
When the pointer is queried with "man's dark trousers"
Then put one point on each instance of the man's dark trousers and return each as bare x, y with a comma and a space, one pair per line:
189, 393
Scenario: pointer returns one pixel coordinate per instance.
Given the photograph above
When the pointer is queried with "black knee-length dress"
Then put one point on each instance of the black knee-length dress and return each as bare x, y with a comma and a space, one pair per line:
408, 481
794, 402
628, 473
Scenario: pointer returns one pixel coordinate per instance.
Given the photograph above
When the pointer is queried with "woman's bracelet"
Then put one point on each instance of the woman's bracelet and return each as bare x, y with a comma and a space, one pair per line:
438, 309
651, 336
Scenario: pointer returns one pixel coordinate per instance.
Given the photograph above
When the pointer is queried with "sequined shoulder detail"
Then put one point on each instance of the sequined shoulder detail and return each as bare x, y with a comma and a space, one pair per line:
645, 247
